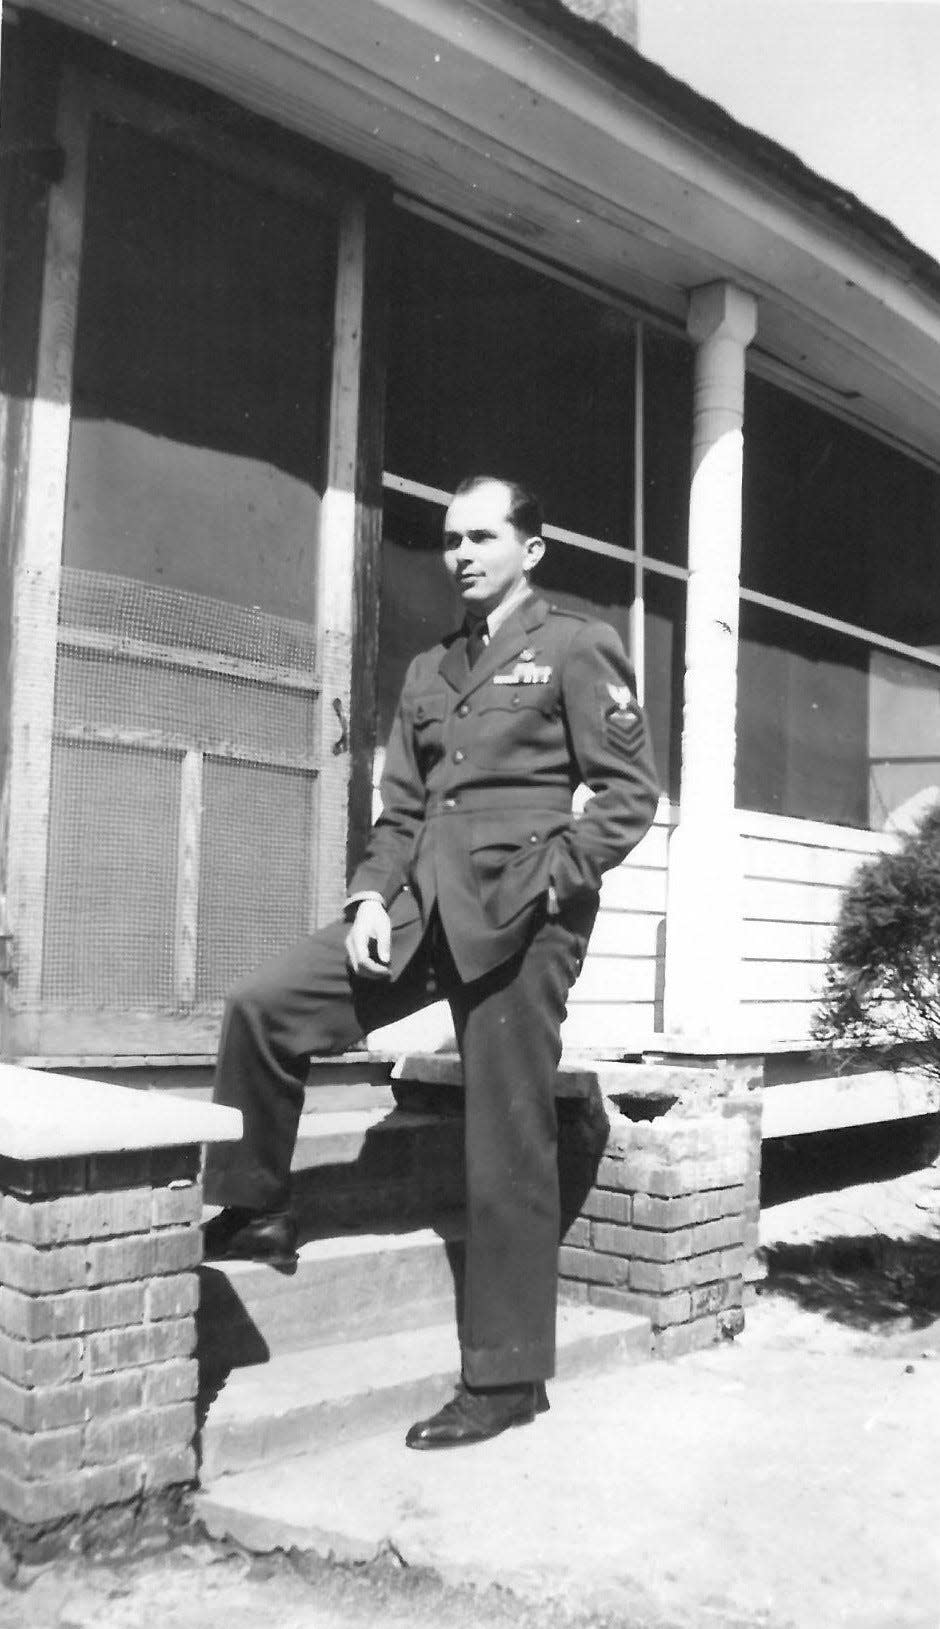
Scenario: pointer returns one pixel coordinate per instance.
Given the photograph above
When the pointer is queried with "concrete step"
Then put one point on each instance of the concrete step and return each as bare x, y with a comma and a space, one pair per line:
346, 1286
653, 1083
305, 1402
381, 1160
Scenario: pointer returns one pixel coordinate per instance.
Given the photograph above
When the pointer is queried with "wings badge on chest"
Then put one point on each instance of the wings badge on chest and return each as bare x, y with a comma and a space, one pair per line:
526, 671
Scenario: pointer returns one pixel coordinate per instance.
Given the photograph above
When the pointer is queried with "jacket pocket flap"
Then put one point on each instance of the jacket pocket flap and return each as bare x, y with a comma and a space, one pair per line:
516, 829
514, 698
430, 708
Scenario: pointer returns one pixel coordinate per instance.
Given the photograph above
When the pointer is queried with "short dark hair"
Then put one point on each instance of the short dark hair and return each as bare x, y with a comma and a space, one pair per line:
525, 510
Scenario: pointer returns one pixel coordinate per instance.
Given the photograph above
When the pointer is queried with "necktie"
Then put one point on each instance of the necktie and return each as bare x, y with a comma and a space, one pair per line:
475, 642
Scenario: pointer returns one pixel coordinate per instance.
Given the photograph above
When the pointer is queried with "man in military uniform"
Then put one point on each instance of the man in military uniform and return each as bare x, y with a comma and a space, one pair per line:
480, 886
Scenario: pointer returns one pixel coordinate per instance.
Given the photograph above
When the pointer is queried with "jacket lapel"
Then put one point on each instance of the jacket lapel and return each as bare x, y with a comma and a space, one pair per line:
505, 644
453, 664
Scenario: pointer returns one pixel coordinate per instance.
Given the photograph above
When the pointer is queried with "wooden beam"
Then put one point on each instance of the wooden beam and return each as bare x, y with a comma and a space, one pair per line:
38, 555
336, 559
840, 1101
367, 564
194, 661
187, 877
74, 1033
638, 606
120, 735
30, 99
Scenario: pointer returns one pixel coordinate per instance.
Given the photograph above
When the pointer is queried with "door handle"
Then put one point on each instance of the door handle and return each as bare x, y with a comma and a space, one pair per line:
342, 744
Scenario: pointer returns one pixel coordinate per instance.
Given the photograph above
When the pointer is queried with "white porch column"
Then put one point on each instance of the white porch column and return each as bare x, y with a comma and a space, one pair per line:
703, 912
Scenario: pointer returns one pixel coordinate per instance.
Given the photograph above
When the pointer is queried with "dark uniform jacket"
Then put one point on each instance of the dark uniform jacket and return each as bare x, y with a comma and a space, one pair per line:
479, 775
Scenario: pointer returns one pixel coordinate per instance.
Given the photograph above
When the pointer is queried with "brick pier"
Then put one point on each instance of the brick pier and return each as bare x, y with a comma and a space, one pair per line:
663, 1230
100, 1203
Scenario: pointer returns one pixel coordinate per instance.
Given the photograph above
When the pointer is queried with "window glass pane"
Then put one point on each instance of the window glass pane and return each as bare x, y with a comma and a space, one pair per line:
831, 729
594, 584
201, 363
664, 621
903, 739
494, 368
667, 418
418, 604
802, 720
838, 522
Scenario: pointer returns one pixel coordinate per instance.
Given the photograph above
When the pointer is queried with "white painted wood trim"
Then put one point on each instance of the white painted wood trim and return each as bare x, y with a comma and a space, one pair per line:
846, 1100
555, 534
189, 848
191, 660
768, 859
926, 658
336, 551
37, 570
581, 152
70, 1033
773, 900
118, 735
661, 321
216, 37
814, 833
638, 608
336, 559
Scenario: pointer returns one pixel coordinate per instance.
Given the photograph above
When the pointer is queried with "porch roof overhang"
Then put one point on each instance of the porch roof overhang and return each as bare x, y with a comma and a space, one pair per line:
529, 124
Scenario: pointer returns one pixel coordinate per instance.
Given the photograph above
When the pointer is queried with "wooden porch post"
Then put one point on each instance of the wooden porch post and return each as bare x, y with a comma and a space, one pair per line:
36, 552
703, 910
350, 539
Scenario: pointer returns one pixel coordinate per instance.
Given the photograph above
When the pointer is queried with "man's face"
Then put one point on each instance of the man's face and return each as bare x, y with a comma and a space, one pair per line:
484, 553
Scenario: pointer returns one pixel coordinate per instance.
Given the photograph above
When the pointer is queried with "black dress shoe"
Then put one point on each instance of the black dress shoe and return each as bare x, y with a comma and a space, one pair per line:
237, 1234
478, 1414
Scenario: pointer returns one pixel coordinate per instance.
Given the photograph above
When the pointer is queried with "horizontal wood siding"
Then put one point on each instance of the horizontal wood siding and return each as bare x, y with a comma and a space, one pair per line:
795, 876
617, 1001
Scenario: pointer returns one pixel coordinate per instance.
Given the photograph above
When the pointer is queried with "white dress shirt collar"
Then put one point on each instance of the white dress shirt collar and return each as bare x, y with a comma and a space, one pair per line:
504, 610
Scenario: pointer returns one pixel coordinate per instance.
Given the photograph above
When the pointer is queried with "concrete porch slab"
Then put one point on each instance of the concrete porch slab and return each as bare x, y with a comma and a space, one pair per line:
308, 1400
731, 1485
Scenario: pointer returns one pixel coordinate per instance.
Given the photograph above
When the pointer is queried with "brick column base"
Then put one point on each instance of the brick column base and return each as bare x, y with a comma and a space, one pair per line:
98, 1378
747, 1105
662, 1232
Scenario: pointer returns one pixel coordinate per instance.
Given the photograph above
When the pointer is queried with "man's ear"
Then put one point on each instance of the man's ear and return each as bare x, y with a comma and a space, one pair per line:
534, 549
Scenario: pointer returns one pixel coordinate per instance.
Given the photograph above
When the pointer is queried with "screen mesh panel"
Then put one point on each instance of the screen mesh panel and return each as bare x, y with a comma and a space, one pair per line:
139, 610
186, 720
253, 875
111, 879
141, 694
184, 754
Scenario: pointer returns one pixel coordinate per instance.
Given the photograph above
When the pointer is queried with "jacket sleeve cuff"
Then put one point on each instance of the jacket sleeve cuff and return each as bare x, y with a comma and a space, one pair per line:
349, 908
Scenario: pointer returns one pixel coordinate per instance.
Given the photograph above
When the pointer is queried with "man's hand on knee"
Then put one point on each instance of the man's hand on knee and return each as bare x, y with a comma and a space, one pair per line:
369, 941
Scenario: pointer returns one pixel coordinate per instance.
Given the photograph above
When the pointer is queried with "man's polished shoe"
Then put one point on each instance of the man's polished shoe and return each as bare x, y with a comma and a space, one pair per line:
237, 1234
475, 1415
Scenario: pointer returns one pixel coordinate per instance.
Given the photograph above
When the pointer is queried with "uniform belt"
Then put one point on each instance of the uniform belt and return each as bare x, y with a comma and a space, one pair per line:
490, 800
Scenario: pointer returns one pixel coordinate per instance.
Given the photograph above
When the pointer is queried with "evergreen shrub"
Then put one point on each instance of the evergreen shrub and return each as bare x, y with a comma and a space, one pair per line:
882, 994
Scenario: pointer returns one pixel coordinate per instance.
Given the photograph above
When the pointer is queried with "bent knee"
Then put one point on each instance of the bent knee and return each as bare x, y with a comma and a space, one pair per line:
253, 998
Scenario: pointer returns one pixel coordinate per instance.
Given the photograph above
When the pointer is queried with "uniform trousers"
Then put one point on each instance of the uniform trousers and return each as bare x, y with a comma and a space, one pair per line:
507, 1024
